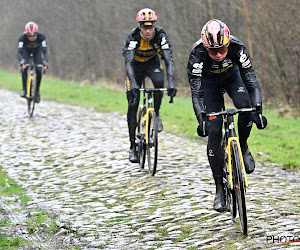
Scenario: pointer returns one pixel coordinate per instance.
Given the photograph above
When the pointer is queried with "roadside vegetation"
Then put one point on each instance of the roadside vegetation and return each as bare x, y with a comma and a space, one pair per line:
278, 143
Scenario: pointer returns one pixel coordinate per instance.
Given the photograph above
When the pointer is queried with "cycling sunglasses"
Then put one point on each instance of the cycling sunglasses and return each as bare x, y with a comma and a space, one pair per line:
31, 34
214, 52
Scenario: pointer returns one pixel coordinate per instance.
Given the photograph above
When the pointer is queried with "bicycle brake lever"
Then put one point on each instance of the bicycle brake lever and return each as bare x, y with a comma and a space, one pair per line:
171, 100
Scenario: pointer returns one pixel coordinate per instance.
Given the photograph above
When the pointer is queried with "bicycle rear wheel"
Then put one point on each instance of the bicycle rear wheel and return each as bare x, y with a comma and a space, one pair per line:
151, 147
30, 99
239, 186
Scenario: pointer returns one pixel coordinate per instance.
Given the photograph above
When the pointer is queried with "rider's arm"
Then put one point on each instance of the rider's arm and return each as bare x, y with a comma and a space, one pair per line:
167, 56
248, 76
44, 48
128, 51
194, 70
20, 48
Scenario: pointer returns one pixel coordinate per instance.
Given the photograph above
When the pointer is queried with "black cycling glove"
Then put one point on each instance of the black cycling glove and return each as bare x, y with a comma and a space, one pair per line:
171, 89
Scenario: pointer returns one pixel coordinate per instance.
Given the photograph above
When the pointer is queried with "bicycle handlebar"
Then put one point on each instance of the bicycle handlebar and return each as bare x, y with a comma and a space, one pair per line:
147, 90
152, 89
34, 65
231, 112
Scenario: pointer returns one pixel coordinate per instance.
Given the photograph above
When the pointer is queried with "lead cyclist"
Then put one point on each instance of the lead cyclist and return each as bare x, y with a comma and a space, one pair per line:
219, 61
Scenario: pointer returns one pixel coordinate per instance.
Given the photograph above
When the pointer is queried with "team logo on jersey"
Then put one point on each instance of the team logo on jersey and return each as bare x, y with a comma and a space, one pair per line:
164, 44
132, 45
197, 69
244, 60
241, 89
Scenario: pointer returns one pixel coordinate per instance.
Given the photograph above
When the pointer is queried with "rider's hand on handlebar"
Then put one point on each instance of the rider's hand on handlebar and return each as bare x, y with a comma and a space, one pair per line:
134, 90
203, 128
204, 124
258, 107
45, 65
260, 121
171, 89
22, 64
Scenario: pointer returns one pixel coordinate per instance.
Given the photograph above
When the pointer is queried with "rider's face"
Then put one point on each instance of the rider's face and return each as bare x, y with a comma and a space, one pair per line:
147, 32
32, 37
218, 54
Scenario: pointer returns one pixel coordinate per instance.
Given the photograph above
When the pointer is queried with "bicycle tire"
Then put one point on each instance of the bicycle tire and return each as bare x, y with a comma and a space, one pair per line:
229, 194
30, 99
152, 145
239, 187
140, 137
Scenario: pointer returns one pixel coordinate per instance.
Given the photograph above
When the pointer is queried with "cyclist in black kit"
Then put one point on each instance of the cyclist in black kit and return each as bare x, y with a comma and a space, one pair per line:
219, 62
140, 49
32, 42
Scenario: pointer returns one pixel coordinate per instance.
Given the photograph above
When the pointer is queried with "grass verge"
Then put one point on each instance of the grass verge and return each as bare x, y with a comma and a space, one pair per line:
278, 143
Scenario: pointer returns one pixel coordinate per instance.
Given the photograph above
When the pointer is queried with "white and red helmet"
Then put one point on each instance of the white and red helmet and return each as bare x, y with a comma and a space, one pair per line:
31, 28
215, 34
145, 16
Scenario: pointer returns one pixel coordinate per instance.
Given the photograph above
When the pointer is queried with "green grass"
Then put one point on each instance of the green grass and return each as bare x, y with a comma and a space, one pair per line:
11, 242
279, 142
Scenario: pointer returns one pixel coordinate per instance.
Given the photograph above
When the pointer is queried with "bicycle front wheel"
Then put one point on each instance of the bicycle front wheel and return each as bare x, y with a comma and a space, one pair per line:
30, 98
140, 137
239, 186
229, 194
152, 143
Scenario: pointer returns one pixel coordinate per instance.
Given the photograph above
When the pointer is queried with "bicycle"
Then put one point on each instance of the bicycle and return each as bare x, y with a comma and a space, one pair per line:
146, 130
234, 174
31, 85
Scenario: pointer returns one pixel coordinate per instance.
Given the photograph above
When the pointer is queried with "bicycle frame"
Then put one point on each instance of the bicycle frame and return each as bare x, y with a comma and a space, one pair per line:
149, 108
231, 136
30, 78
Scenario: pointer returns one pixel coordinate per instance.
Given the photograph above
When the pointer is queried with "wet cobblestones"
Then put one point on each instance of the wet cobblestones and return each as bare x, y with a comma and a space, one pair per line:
73, 162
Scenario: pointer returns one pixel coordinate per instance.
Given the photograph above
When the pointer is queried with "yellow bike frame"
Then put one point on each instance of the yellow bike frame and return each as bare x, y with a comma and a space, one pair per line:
228, 151
29, 86
146, 117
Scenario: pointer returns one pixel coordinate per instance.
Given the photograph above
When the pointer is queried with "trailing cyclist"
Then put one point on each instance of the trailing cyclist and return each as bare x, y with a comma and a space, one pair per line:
219, 62
32, 42
140, 49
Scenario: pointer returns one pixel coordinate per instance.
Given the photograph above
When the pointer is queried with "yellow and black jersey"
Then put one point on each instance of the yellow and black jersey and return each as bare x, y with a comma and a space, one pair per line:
137, 50
201, 64
30, 46
145, 50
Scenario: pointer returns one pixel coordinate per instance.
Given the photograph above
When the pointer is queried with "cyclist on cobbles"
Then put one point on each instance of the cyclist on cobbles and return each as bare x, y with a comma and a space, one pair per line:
219, 62
140, 49
32, 42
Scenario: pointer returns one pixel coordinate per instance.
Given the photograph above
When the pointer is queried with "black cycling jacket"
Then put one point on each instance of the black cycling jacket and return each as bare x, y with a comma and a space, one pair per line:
136, 49
25, 44
200, 64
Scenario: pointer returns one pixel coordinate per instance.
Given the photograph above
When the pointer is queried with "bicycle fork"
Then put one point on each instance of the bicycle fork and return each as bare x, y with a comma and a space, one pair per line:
145, 128
231, 138
29, 86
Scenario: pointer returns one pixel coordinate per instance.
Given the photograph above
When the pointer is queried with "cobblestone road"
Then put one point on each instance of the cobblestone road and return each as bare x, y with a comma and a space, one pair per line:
73, 162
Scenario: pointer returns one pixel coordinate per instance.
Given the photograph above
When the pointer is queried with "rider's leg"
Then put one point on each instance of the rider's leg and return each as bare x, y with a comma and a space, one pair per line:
24, 82
240, 96
37, 57
156, 74
133, 104
25, 56
214, 101
132, 122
